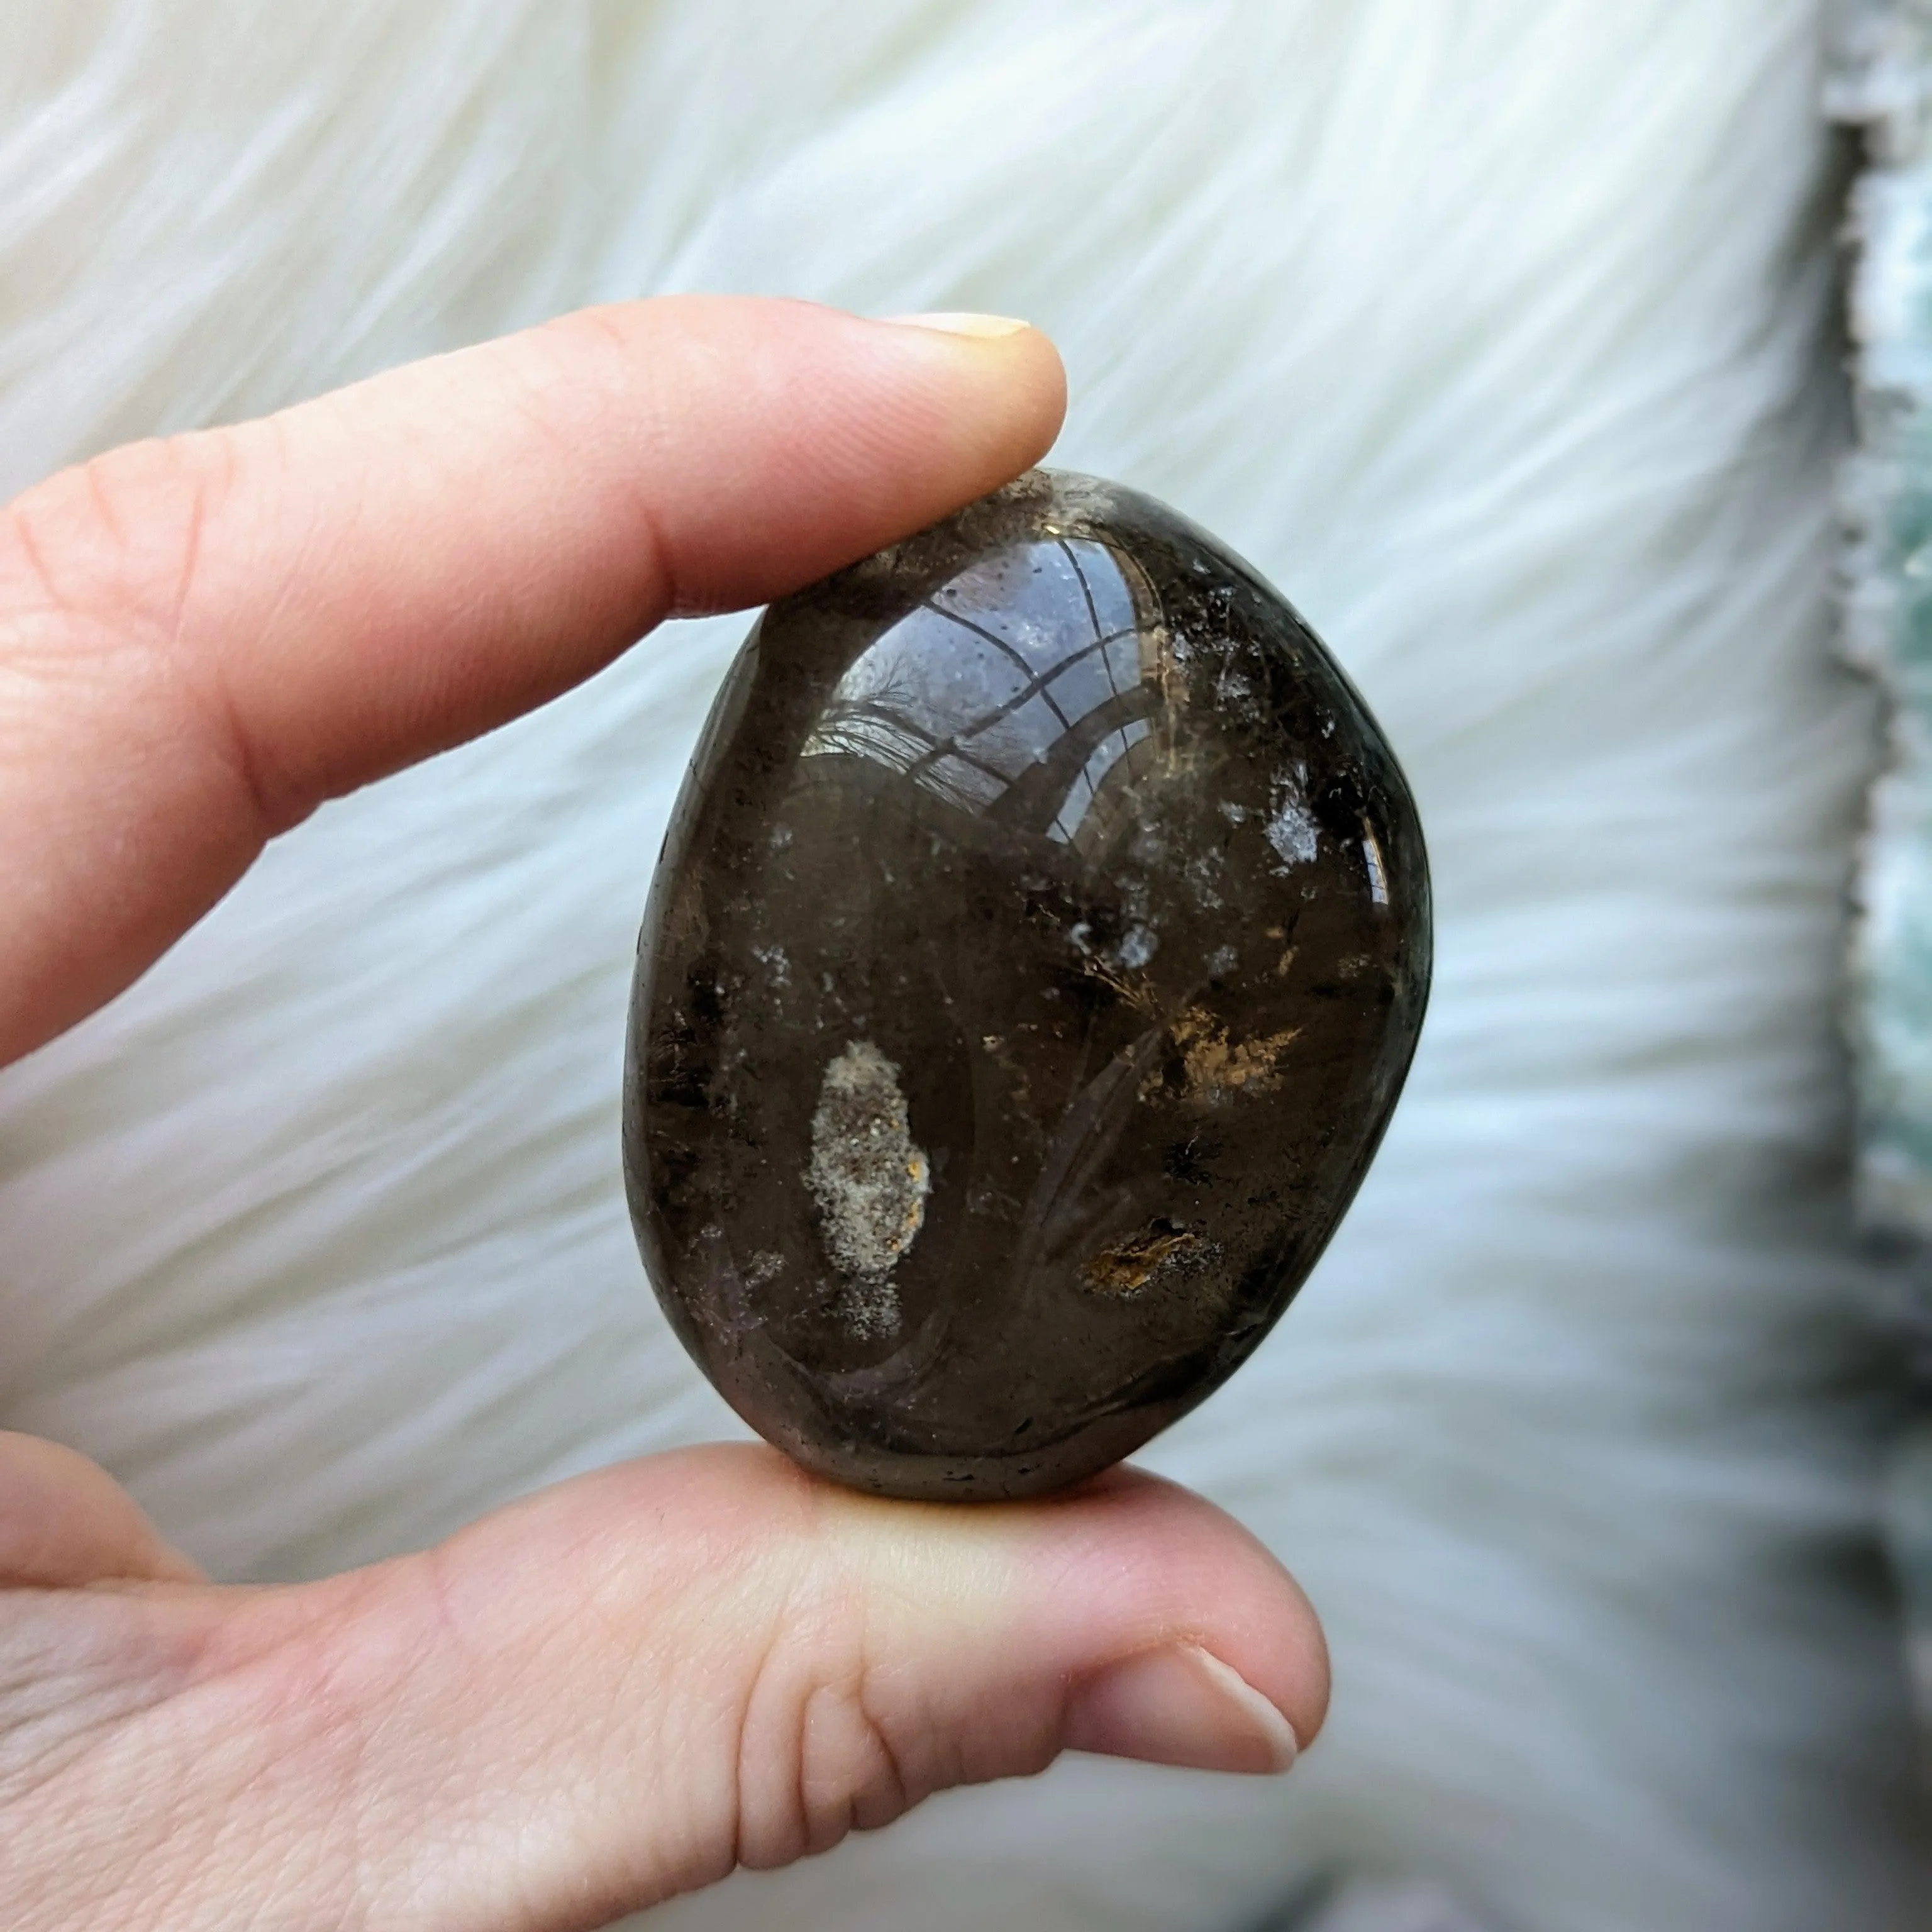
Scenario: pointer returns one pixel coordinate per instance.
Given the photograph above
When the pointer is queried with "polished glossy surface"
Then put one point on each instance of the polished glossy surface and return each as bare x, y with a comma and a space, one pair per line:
1033, 961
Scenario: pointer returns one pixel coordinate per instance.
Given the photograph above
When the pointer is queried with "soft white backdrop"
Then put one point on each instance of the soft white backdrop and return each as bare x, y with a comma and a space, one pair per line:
1500, 334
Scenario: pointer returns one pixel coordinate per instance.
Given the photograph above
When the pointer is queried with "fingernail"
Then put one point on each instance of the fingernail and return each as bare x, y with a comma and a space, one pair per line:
961, 322
1180, 1706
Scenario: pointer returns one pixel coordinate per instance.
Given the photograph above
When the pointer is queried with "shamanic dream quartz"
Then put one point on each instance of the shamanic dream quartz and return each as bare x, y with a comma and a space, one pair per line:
1034, 959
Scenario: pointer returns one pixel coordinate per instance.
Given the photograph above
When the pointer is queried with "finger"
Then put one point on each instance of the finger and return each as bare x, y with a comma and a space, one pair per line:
65, 1523
619, 1691
200, 640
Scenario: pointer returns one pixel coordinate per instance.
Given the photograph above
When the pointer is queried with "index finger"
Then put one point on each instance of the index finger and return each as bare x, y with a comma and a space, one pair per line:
202, 639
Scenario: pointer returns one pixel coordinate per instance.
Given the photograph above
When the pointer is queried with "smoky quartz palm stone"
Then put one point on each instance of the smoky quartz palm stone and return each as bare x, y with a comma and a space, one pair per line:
1035, 957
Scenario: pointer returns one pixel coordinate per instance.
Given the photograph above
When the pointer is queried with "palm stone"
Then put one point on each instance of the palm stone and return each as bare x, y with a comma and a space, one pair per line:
1035, 954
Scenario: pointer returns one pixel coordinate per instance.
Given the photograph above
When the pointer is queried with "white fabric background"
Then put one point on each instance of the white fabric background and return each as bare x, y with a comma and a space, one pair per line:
1499, 333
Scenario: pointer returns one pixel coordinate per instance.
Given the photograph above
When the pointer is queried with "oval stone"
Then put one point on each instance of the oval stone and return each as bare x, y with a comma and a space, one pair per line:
1035, 954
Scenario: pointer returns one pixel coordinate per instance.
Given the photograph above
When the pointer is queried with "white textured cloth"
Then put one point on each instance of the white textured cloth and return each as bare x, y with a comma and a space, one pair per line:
1499, 335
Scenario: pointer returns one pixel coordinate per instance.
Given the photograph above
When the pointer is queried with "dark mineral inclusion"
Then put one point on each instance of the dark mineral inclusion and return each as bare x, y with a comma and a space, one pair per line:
1035, 958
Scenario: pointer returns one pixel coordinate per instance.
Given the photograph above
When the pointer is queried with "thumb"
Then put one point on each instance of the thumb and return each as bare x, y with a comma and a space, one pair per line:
620, 1690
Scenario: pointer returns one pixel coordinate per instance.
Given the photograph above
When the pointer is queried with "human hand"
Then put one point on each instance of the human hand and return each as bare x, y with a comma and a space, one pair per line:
618, 1689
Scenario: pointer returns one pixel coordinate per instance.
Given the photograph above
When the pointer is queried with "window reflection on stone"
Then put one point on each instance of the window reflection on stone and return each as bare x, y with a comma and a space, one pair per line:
1019, 692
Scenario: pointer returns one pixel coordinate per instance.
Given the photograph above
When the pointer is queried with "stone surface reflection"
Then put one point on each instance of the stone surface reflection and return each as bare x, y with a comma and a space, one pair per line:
1033, 964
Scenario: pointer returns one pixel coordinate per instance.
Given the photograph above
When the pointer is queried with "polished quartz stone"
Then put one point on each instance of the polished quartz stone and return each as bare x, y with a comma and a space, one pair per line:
1034, 959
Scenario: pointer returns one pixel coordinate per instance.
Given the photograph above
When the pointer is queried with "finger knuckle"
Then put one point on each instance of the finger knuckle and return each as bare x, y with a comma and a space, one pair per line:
114, 543
820, 1754
102, 598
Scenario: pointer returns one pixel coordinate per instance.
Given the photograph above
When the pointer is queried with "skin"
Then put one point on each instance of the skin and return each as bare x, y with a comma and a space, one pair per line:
623, 1687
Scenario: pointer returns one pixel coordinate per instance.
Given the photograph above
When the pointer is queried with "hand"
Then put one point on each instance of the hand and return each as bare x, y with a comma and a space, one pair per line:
617, 1690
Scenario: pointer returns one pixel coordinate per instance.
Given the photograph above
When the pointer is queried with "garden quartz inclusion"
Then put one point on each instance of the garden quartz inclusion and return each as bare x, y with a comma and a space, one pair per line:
1036, 956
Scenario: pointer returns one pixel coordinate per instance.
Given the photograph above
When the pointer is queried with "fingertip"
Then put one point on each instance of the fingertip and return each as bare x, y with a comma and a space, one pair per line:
65, 1523
1140, 1564
1011, 387
845, 432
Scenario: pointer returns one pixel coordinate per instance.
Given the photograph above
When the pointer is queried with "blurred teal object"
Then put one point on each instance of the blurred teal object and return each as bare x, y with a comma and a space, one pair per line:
1883, 82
